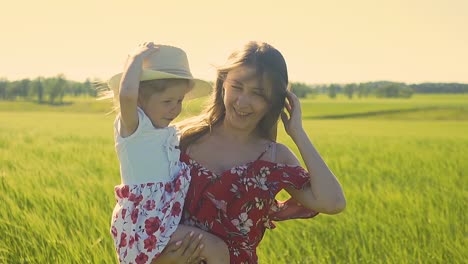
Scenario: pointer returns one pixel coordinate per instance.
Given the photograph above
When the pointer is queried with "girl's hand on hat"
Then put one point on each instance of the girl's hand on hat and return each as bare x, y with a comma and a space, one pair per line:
293, 120
143, 50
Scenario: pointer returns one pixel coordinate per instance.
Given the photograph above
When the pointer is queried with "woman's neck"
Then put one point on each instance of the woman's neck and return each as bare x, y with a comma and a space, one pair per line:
236, 135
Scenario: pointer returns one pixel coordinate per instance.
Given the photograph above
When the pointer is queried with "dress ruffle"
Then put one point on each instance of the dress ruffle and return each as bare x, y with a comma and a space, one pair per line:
172, 149
291, 208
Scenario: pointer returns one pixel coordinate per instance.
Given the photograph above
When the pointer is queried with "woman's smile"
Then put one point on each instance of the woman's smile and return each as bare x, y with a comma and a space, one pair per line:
241, 113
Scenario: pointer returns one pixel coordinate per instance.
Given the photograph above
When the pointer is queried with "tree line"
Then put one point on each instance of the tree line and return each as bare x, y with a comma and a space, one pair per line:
52, 90
45, 90
383, 89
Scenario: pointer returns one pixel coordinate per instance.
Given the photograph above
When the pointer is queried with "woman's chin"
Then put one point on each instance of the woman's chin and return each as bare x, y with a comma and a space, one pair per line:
241, 125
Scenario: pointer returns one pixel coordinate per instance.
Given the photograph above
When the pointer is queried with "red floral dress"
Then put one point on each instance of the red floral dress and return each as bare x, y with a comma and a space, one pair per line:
239, 205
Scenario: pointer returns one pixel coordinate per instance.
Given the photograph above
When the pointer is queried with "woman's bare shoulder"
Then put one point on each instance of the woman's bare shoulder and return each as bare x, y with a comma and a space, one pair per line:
285, 155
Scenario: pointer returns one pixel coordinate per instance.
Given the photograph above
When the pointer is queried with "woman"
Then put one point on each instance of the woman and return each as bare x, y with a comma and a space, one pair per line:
237, 167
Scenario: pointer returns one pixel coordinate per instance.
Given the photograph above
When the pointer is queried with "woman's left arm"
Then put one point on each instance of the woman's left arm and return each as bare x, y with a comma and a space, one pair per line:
324, 194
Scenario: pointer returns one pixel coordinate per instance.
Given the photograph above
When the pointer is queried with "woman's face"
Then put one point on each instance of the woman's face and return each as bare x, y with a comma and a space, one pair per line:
244, 98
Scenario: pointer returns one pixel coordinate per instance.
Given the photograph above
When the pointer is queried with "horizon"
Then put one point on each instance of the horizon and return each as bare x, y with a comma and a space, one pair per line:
334, 42
291, 81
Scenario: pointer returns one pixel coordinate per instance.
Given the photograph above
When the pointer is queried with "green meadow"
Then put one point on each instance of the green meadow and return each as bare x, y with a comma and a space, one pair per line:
403, 165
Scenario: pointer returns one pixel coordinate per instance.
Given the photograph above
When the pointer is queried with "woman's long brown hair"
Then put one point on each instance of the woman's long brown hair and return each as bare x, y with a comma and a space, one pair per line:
271, 71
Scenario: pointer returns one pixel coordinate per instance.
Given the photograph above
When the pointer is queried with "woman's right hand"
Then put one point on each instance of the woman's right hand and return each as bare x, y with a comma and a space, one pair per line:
186, 251
293, 120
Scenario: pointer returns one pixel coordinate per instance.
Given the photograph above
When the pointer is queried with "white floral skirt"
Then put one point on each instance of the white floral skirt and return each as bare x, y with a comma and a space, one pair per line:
145, 217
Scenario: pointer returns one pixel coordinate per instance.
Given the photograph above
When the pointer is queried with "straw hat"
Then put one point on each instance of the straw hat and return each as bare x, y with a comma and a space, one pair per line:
167, 63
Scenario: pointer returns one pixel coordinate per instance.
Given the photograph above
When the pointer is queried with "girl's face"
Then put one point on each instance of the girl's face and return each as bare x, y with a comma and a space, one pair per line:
244, 98
163, 107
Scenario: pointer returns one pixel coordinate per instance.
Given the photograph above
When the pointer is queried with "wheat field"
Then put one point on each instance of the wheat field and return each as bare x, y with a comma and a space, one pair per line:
402, 163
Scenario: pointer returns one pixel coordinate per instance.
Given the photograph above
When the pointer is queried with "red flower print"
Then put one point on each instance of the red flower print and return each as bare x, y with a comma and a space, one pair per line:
122, 192
176, 209
152, 225
135, 199
164, 210
134, 215
132, 197
114, 231
123, 240
131, 242
150, 243
141, 258
168, 187
177, 185
124, 212
138, 200
149, 205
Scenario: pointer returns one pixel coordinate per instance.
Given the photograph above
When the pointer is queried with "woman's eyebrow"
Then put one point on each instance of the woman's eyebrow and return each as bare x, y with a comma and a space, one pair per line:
240, 83
235, 81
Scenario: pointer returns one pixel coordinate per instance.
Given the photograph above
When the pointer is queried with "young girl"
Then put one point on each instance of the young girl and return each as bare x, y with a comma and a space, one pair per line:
149, 94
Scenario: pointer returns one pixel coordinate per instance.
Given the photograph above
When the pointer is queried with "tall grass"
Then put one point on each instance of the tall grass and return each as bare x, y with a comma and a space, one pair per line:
405, 183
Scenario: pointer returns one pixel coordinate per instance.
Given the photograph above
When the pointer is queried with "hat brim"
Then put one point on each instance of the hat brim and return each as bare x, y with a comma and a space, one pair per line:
200, 88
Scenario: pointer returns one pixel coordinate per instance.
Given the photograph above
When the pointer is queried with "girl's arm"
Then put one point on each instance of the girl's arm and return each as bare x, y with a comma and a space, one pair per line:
324, 194
129, 85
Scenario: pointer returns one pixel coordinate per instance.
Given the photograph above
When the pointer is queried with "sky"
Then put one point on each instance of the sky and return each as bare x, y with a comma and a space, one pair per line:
331, 41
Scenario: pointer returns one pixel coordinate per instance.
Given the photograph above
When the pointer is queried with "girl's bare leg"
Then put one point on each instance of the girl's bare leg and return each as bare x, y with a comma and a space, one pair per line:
214, 249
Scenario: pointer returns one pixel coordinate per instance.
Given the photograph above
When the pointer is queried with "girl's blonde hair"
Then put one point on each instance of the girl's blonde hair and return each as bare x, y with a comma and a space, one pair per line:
145, 90
269, 65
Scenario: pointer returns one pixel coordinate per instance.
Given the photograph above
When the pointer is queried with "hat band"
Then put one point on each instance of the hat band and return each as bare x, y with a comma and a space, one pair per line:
179, 72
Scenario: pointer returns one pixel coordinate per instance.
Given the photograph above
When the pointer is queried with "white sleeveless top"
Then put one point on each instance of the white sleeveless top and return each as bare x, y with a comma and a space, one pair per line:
148, 155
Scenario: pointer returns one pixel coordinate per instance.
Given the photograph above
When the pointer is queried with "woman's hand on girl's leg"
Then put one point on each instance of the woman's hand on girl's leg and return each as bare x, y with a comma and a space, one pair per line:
187, 250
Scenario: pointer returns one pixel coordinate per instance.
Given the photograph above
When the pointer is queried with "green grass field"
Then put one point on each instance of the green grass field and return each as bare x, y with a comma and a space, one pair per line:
402, 162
